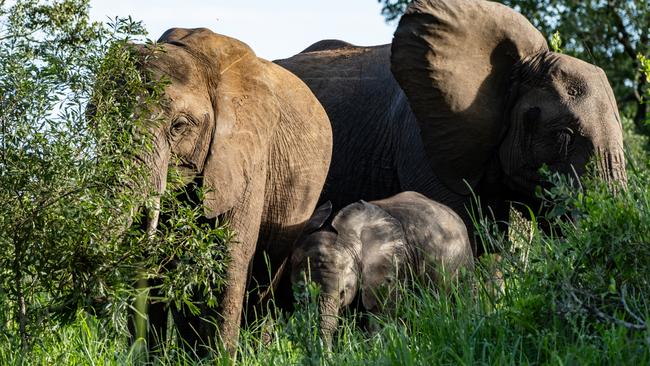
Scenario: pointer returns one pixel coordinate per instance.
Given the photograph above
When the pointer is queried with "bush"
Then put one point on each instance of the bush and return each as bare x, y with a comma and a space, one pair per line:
70, 186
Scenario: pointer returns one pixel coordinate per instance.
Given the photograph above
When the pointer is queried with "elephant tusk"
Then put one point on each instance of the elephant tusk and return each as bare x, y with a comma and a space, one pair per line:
153, 215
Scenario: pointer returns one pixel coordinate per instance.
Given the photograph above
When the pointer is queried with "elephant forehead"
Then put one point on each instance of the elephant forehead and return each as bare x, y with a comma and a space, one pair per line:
574, 75
580, 80
175, 63
327, 258
185, 98
337, 268
187, 89
316, 240
574, 66
585, 89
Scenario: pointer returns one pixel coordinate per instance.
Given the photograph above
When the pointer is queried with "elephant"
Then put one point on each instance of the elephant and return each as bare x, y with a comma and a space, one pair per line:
467, 100
255, 138
367, 246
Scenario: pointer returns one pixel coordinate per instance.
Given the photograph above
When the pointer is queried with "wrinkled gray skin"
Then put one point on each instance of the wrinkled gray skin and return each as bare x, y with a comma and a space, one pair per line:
467, 96
256, 139
368, 246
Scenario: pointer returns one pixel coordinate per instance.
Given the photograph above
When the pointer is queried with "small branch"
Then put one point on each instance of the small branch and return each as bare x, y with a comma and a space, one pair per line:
21, 311
46, 203
21, 35
641, 111
640, 81
605, 317
623, 36
631, 97
627, 308
642, 28
4, 127
625, 39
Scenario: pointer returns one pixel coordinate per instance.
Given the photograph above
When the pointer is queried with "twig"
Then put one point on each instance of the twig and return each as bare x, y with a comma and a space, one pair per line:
21, 311
627, 308
46, 203
599, 314
623, 36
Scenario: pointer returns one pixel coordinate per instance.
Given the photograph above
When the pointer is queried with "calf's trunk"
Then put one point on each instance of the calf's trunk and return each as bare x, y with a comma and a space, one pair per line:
329, 314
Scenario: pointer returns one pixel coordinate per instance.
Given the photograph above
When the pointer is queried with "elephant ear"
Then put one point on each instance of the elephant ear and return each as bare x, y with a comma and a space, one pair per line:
383, 247
453, 58
245, 112
318, 218
384, 260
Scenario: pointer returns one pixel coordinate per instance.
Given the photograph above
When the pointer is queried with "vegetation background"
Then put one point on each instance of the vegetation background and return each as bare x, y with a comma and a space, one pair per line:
70, 259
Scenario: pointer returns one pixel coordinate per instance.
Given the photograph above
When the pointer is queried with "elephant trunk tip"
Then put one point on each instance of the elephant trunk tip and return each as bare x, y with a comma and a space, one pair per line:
611, 168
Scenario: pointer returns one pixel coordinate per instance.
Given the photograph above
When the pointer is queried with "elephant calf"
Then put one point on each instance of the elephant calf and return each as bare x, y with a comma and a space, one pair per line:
367, 246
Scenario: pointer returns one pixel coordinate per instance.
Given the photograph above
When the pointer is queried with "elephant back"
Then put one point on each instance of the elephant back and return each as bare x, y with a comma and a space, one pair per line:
366, 108
436, 236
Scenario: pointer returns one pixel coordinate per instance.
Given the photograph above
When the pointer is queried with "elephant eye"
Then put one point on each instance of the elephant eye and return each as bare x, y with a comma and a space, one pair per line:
574, 90
179, 126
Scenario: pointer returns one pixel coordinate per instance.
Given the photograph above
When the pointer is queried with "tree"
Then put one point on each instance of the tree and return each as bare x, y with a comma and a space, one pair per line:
610, 34
69, 182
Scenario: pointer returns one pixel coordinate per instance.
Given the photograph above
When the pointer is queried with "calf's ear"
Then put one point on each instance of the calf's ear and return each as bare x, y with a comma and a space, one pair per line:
384, 257
318, 218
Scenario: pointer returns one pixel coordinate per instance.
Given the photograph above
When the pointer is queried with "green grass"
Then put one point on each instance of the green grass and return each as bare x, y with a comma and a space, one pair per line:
467, 329
570, 300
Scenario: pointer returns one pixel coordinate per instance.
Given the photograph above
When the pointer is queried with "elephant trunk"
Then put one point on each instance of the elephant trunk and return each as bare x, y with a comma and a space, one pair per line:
329, 313
611, 168
156, 163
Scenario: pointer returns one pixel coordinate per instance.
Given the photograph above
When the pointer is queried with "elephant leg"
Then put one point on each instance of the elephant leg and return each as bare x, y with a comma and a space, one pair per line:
301, 178
270, 287
199, 332
157, 334
245, 222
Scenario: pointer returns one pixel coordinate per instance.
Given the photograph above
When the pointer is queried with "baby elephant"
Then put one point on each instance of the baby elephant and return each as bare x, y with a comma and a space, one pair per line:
368, 246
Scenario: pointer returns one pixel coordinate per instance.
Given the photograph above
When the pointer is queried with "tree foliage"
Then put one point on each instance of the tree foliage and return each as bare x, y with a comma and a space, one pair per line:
610, 34
70, 185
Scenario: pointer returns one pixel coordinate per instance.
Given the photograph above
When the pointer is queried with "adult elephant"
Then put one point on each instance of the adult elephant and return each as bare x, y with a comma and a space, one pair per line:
255, 138
475, 101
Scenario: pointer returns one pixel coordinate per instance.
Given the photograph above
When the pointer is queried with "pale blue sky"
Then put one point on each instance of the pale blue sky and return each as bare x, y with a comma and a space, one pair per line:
273, 28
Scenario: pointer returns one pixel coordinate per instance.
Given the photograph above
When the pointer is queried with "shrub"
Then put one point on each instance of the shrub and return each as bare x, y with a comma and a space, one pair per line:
70, 186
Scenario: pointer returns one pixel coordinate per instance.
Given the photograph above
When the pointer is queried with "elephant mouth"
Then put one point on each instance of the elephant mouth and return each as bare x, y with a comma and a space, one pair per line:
528, 178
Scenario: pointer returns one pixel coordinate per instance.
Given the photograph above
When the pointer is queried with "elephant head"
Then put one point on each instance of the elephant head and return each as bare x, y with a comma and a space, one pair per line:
217, 117
488, 92
359, 251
